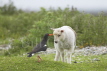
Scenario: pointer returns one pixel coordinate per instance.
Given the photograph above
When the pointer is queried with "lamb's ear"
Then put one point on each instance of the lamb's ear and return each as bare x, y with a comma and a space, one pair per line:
62, 31
52, 29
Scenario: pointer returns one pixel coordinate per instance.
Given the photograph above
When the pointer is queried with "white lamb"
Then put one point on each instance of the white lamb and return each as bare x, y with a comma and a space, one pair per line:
64, 38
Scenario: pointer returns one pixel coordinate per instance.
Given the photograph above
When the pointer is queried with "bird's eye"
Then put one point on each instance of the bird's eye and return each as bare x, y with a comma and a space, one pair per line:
59, 35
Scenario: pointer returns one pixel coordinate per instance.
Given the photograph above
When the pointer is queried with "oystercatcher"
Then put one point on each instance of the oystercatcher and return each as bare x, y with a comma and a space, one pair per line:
40, 47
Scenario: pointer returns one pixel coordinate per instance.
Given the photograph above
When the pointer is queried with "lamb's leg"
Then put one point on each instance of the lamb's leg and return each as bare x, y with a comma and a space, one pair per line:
69, 54
62, 55
61, 51
57, 56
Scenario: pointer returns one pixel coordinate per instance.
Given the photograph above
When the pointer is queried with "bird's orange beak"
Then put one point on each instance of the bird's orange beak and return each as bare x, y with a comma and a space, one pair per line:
50, 34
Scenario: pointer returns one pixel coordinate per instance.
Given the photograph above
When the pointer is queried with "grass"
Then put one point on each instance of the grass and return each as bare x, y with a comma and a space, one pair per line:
23, 63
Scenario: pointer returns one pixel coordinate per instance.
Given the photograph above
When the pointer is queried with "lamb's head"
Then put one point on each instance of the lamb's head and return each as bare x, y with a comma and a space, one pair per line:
58, 35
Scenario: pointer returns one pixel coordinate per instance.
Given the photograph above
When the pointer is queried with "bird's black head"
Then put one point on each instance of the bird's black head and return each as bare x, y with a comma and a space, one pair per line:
46, 36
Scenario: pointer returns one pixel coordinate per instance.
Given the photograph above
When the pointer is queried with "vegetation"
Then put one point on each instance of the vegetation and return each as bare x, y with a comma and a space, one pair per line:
27, 28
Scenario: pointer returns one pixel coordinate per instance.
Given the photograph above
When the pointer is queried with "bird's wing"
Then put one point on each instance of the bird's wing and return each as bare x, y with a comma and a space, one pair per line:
44, 48
39, 47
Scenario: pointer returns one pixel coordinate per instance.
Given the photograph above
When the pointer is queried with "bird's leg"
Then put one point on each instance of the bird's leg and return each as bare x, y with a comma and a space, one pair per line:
39, 59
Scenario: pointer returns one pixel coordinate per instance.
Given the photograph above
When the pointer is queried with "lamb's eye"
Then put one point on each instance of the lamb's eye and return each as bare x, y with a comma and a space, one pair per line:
59, 35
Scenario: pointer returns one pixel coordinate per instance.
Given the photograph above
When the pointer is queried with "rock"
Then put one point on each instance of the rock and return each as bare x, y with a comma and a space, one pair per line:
84, 51
5, 47
95, 59
104, 53
91, 51
75, 61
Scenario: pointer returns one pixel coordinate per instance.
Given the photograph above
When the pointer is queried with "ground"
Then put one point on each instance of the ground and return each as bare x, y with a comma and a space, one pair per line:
79, 63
